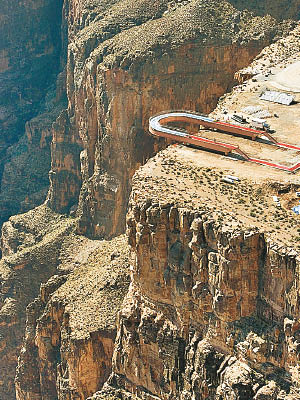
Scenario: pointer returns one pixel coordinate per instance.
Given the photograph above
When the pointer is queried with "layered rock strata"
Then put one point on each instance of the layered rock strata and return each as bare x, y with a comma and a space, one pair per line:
125, 65
212, 308
71, 328
35, 246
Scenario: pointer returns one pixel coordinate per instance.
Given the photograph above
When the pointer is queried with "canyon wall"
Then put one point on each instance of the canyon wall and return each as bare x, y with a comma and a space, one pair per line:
32, 254
126, 66
32, 55
212, 311
126, 62
29, 58
71, 328
30, 48
73, 288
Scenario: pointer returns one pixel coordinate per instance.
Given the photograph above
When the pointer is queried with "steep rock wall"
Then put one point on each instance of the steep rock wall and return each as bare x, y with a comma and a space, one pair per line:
30, 48
29, 51
212, 310
25, 174
122, 69
111, 159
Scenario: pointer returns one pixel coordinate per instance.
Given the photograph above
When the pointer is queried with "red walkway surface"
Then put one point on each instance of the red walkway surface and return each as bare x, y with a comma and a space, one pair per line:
278, 166
157, 128
288, 146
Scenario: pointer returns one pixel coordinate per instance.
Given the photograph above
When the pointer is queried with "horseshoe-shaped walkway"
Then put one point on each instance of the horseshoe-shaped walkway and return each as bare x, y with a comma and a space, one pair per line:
158, 127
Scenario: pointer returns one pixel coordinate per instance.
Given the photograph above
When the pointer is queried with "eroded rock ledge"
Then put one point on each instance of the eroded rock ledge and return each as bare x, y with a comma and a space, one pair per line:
71, 328
125, 64
212, 307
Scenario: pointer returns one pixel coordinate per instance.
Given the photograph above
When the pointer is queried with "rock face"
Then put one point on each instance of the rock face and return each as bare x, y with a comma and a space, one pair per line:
211, 312
25, 174
71, 328
29, 58
30, 48
279, 9
125, 65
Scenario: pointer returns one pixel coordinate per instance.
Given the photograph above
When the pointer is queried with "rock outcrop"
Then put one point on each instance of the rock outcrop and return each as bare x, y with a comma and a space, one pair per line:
21, 274
212, 308
71, 328
124, 65
30, 50
35, 246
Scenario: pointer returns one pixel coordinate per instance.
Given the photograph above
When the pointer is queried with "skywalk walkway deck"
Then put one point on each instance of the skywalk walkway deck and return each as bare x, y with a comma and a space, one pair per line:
158, 127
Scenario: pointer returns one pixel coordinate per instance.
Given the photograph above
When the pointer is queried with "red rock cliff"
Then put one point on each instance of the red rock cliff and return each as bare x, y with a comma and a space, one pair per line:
122, 69
212, 310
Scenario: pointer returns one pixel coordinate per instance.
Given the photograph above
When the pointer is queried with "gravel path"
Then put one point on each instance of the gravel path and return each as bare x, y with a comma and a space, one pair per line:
288, 79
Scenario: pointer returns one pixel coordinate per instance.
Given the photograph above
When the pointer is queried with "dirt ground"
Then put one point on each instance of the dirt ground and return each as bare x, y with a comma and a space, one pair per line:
196, 181
196, 175
284, 120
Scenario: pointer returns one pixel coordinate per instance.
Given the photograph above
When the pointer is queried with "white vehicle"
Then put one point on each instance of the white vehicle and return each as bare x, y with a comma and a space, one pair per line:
227, 180
233, 178
261, 124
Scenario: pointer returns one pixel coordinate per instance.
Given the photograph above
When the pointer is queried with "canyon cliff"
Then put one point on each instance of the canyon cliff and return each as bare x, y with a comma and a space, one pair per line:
91, 43
210, 308
30, 59
126, 66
